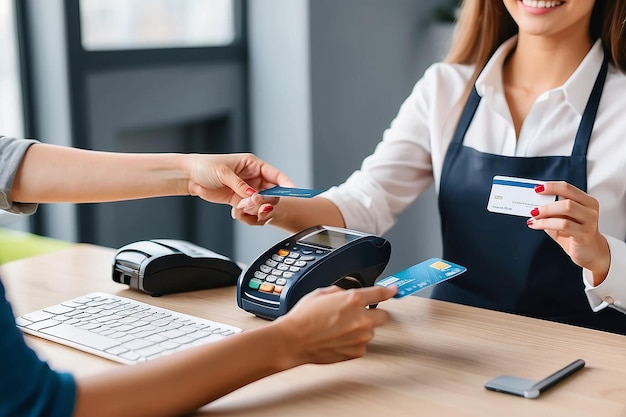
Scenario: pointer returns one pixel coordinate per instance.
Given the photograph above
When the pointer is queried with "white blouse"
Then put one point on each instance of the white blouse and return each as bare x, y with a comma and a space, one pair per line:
410, 156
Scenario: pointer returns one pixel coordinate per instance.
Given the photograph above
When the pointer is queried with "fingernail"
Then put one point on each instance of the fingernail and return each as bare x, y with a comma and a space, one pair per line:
267, 209
530, 222
250, 191
539, 188
534, 212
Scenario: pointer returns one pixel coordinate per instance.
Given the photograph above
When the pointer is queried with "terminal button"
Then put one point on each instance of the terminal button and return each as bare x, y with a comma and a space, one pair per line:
267, 287
255, 283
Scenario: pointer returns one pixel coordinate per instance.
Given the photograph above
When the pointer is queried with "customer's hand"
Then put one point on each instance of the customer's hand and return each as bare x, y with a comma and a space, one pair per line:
332, 324
572, 221
228, 178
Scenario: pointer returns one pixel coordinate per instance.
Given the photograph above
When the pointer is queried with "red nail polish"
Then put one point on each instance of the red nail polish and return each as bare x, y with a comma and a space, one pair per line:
539, 188
267, 209
530, 222
534, 212
250, 191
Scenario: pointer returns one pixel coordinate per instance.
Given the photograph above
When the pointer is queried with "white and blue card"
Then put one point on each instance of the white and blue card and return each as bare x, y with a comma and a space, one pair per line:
279, 191
422, 275
516, 196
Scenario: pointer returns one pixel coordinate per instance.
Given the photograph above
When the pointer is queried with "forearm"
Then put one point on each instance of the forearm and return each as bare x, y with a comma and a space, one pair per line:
601, 263
295, 214
183, 382
50, 174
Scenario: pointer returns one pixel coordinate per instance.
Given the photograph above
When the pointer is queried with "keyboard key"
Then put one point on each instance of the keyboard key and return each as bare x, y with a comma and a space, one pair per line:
81, 336
131, 356
39, 325
37, 316
117, 350
137, 344
150, 351
58, 309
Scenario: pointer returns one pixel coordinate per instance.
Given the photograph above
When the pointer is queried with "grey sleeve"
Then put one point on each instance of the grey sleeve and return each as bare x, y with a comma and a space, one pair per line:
12, 152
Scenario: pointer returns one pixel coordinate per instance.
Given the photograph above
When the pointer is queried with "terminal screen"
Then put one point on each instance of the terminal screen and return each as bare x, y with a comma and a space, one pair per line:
328, 239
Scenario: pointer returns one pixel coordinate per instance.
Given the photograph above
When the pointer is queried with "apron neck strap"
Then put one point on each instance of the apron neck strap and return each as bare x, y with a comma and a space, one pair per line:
466, 116
581, 143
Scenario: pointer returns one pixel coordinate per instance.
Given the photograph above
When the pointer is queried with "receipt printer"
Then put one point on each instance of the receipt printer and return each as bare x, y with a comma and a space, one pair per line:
165, 266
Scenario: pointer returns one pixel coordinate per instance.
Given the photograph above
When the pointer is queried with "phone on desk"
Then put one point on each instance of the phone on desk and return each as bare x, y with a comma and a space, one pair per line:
527, 388
316, 257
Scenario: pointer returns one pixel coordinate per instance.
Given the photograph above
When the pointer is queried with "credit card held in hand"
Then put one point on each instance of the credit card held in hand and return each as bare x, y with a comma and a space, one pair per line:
279, 191
516, 196
422, 275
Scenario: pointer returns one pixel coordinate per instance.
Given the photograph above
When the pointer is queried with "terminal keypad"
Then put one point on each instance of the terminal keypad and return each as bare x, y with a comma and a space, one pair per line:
284, 265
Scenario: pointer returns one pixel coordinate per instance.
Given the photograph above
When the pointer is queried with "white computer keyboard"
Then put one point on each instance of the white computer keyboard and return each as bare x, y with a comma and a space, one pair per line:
121, 329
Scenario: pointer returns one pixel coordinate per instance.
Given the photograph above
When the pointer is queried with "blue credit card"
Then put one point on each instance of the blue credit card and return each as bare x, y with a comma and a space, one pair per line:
422, 275
279, 191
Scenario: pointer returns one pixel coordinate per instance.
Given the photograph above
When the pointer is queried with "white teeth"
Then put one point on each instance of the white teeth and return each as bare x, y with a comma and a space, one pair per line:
542, 4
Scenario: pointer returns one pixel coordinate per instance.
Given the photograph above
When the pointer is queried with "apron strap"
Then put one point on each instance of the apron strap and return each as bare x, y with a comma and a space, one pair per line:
581, 143
466, 116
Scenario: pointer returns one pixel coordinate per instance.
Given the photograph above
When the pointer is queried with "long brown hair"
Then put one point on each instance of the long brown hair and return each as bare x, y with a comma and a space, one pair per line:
483, 25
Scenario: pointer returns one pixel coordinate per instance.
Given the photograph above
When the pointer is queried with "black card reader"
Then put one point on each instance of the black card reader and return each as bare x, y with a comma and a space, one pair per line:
319, 256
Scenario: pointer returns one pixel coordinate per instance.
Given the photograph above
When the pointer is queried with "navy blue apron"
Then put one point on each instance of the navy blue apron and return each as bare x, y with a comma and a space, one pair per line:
511, 267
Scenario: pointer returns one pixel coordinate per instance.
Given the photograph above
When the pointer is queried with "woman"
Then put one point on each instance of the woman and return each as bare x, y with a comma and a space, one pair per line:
328, 325
530, 89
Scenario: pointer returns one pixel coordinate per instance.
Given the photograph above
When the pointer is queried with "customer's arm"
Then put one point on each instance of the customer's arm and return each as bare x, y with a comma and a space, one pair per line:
50, 174
328, 325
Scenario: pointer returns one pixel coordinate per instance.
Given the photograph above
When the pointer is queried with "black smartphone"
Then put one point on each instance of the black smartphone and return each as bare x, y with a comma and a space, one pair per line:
528, 388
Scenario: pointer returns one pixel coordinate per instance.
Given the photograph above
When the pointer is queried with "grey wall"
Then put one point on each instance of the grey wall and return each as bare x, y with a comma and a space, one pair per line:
280, 113
357, 61
367, 59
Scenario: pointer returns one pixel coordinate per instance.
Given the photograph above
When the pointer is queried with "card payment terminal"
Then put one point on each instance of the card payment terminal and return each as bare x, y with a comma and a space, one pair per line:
319, 256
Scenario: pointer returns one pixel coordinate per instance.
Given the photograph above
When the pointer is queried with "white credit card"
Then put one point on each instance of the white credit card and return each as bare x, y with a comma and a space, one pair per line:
516, 196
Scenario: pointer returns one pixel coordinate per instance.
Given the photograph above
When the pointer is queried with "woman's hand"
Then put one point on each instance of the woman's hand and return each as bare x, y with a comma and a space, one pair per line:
332, 324
229, 178
255, 210
572, 222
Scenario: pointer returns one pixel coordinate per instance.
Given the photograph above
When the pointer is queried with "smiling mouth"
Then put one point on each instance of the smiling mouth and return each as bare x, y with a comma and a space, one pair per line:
542, 4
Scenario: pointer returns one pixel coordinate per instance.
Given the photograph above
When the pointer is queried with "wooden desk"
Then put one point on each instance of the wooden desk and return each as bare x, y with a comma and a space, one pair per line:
431, 360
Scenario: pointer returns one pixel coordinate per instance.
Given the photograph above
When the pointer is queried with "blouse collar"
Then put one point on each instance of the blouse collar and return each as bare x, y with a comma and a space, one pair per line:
576, 89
